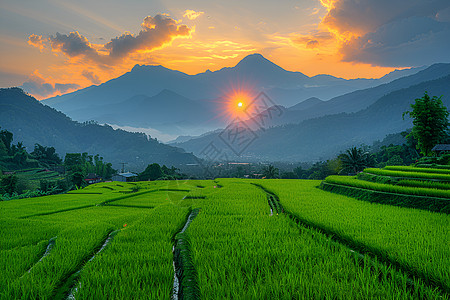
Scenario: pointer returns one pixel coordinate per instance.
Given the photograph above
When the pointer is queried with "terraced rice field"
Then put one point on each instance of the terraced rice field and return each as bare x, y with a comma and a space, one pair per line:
222, 239
422, 188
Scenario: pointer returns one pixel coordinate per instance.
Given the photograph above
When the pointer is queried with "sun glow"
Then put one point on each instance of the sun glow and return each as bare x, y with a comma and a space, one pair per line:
236, 104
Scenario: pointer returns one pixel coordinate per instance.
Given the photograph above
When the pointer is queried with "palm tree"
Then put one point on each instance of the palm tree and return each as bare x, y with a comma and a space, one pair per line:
270, 172
355, 160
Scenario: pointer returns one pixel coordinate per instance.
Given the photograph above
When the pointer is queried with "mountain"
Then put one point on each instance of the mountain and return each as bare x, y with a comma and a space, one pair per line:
323, 137
167, 112
32, 122
308, 103
141, 80
396, 74
360, 99
254, 74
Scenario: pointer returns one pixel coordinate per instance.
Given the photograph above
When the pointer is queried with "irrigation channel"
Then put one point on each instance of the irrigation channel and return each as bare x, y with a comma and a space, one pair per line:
185, 276
49, 248
363, 255
68, 289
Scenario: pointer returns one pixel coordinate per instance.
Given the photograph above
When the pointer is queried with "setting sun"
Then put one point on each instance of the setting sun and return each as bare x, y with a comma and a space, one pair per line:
240, 104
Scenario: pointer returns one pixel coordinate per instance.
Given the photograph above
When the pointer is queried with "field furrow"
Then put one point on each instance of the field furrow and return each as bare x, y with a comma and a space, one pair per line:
416, 241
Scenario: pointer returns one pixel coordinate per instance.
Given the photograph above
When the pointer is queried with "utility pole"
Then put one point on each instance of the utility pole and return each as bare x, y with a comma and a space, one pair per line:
123, 166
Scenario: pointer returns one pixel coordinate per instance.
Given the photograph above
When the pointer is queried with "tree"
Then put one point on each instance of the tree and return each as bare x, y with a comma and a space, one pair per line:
72, 159
271, 172
8, 184
46, 155
152, 172
6, 137
77, 177
430, 119
355, 160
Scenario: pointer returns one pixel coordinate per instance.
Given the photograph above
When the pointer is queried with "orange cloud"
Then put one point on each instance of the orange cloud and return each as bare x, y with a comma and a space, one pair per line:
156, 32
192, 14
41, 87
91, 76
314, 40
36, 41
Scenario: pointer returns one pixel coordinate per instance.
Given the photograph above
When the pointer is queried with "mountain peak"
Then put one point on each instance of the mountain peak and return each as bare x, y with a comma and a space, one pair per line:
255, 59
168, 93
139, 67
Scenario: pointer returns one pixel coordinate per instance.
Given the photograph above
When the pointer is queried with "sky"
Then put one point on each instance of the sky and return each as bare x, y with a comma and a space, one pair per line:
51, 47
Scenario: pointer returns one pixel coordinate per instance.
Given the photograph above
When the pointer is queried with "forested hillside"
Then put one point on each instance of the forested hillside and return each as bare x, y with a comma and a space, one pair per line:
32, 122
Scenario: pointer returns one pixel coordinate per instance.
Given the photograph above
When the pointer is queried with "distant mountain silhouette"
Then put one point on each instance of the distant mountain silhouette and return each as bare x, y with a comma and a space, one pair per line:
308, 103
361, 99
162, 111
254, 72
323, 137
32, 122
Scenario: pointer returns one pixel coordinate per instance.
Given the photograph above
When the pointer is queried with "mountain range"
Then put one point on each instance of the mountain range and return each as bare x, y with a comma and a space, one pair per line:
317, 117
139, 97
357, 100
323, 137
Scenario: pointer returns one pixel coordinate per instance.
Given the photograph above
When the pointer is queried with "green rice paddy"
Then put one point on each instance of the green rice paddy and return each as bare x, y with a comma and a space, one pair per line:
278, 239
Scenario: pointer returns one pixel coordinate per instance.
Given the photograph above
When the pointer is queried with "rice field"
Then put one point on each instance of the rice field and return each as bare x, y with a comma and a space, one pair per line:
407, 186
278, 239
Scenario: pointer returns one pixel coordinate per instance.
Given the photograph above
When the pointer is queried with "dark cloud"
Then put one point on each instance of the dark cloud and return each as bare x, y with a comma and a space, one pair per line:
91, 77
312, 44
392, 33
73, 44
314, 40
362, 16
37, 86
408, 42
155, 32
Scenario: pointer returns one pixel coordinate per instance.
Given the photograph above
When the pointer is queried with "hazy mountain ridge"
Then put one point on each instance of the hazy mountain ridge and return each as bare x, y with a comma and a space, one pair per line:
323, 137
360, 99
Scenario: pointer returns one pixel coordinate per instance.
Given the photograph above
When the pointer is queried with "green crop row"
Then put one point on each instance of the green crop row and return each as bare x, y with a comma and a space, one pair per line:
434, 166
237, 248
241, 252
31, 206
79, 234
433, 204
424, 184
418, 191
403, 174
415, 169
73, 247
416, 240
376, 178
81, 227
138, 262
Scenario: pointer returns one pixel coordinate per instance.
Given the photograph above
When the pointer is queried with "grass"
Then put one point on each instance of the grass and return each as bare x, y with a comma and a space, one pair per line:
409, 174
138, 262
238, 250
425, 184
414, 239
408, 190
242, 252
420, 170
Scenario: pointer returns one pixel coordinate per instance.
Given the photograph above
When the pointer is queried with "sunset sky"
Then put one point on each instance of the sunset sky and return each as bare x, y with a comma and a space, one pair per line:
52, 47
